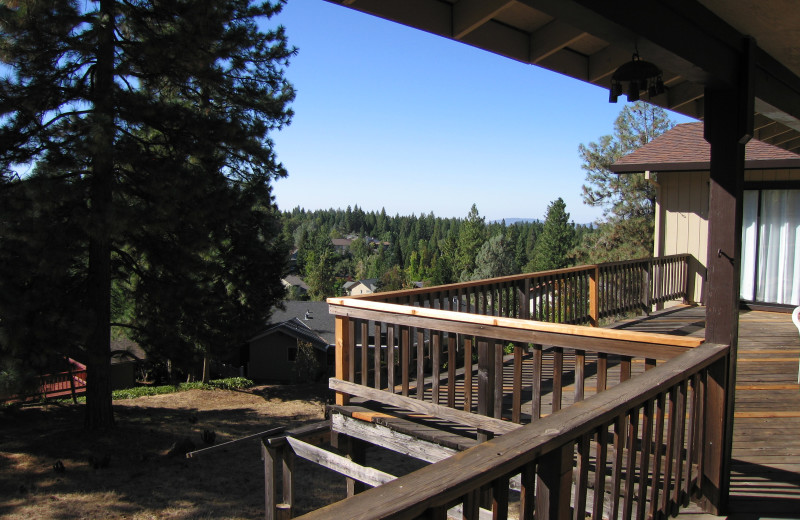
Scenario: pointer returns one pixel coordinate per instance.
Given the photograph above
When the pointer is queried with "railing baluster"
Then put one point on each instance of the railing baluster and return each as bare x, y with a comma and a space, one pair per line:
658, 448
554, 482
680, 423
580, 374
536, 391
497, 349
451, 370
376, 356
691, 433
600, 458
602, 371
468, 375
436, 362
405, 358
420, 364
669, 455
616, 471
582, 477
516, 404
390, 357
630, 462
500, 498
558, 382
644, 464
364, 351
624, 368
527, 493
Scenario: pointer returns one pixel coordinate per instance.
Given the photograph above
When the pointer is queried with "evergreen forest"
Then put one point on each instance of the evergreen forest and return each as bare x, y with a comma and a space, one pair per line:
401, 251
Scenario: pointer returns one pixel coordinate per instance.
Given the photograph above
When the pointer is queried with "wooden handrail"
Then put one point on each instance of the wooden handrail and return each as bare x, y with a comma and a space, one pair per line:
445, 483
473, 283
350, 307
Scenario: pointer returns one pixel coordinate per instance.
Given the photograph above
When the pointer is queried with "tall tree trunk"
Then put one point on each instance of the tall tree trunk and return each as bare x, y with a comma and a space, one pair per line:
99, 410
206, 367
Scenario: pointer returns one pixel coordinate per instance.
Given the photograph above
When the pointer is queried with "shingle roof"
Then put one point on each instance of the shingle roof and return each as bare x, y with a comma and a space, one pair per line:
684, 148
319, 321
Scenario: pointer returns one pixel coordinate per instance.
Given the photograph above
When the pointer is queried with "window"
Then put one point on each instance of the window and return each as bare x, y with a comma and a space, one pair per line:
770, 270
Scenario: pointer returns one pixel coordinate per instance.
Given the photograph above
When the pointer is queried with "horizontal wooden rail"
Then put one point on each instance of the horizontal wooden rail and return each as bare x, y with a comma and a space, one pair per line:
660, 400
533, 331
578, 295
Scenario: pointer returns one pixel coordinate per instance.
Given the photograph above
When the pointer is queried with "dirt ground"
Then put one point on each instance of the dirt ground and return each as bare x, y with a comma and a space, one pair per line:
141, 481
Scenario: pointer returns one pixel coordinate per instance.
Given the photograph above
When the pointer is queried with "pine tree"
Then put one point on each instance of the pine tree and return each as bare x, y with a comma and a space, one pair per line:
470, 239
124, 102
628, 200
556, 240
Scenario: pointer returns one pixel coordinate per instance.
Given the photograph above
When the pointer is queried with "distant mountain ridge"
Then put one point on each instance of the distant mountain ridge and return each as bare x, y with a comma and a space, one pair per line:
510, 221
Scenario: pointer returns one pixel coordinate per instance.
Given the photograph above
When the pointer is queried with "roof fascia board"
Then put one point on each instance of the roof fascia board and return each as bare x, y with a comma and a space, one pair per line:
768, 164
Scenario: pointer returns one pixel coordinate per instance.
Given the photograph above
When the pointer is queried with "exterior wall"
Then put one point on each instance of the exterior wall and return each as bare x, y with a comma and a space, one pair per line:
682, 218
359, 289
269, 357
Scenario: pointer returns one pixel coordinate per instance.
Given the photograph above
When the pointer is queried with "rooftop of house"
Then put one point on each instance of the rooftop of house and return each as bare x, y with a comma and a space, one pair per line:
684, 148
370, 283
292, 280
314, 315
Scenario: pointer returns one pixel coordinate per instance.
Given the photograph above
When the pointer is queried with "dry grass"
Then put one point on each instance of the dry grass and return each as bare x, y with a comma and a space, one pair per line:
141, 480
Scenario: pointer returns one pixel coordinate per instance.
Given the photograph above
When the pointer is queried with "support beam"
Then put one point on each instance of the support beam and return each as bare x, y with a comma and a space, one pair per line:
468, 15
728, 127
552, 38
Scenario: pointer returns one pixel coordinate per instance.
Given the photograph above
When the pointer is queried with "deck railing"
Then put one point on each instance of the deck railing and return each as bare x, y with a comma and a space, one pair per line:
575, 295
471, 346
638, 450
431, 354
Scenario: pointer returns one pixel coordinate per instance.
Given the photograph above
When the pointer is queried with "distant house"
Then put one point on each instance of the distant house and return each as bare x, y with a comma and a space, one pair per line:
273, 354
126, 358
341, 245
366, 286
678, 163
295, 281
348, 285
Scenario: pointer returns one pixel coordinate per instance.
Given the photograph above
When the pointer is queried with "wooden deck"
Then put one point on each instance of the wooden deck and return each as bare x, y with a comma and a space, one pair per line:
765, 480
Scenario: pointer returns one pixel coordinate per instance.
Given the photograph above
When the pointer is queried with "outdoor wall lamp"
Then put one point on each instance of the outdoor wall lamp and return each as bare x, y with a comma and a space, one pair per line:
639, 75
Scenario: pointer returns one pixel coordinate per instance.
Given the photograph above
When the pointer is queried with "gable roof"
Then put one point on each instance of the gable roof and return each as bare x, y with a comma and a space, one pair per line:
369, 283
314, 316
684, 148
298, 329
293, 280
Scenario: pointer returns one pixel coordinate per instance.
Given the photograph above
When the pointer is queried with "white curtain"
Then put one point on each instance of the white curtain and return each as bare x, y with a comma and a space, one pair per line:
747, 288
778, 277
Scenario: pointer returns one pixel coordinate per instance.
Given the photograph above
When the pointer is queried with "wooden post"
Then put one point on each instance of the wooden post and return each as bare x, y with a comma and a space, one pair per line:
287, 458
594, 303
554, 484
270, 458
342, 355
486, 377
728, 127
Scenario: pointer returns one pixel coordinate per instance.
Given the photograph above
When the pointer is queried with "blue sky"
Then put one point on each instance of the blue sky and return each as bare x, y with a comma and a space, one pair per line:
390, 116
